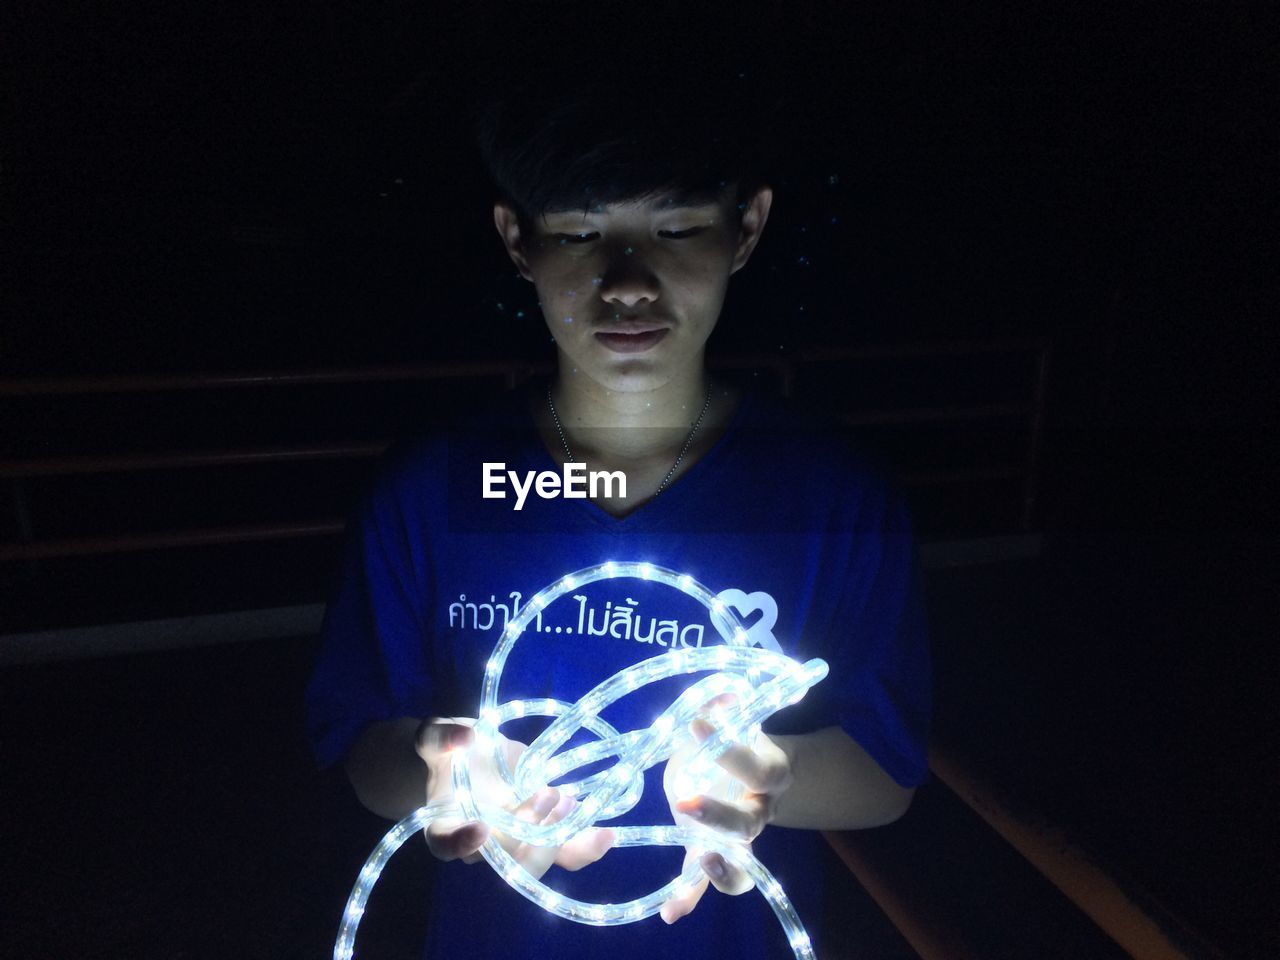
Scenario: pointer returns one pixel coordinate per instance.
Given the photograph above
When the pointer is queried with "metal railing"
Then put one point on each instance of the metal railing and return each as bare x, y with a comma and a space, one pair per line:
1136, 929
1132, 919
785, 368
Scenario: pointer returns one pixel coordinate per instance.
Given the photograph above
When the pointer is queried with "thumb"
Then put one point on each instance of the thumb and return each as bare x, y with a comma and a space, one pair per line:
435, 739
438, 735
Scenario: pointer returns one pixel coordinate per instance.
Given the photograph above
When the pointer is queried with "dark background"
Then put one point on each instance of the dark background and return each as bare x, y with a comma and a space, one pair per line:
192, 187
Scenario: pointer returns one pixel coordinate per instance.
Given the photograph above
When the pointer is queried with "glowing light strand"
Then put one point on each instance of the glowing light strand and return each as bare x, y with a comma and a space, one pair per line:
610, 793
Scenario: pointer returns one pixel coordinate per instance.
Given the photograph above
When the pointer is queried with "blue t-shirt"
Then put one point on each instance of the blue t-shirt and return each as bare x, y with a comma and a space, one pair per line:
811, 539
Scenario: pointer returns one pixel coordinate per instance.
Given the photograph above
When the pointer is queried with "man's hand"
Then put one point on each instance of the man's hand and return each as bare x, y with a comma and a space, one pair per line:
436, 740
765, 773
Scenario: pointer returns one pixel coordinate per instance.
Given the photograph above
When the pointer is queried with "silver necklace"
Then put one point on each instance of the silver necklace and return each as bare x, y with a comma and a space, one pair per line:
683, 450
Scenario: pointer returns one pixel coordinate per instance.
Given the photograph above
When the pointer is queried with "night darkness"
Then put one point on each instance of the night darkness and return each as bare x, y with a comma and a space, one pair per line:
237, 187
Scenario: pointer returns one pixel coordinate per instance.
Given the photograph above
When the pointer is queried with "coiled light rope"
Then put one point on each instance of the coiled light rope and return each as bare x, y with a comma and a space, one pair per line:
763, 682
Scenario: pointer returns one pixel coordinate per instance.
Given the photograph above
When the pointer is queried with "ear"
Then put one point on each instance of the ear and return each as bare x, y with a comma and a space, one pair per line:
508, 224
753, 221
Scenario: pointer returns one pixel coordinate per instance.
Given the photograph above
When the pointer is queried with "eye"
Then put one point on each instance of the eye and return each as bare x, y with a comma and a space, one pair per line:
576, 237
680, 234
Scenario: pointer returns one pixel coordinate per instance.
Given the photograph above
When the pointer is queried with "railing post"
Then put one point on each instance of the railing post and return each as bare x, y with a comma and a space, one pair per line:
1035, 429
22, 512
22, 517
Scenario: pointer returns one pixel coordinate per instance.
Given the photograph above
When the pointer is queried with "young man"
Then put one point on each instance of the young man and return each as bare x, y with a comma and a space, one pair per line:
628, 213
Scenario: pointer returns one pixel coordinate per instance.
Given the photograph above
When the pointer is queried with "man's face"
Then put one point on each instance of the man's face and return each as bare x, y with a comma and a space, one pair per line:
631, 291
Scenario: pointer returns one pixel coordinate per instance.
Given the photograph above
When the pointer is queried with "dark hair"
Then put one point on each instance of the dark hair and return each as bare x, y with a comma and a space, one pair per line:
560, 143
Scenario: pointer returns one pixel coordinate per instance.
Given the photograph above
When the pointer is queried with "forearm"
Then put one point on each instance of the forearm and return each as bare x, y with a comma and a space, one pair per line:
389, 777
836, 785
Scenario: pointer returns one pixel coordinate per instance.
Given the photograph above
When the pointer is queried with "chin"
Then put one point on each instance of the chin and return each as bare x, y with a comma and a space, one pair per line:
636, 378
628, 376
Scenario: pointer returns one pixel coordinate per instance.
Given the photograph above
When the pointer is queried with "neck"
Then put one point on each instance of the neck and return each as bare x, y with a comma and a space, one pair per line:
607, 425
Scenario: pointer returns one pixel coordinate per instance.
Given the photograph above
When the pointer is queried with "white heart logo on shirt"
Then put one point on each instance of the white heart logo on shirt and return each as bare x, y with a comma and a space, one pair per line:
760, 633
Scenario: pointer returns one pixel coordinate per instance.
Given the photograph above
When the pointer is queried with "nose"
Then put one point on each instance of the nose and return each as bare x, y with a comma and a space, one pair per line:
627, 280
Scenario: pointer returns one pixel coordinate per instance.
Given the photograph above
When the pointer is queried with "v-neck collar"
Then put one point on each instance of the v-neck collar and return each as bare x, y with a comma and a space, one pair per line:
538, 458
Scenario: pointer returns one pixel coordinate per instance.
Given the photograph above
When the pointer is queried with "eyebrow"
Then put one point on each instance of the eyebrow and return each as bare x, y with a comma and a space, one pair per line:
687, 204
687, 200
665, 203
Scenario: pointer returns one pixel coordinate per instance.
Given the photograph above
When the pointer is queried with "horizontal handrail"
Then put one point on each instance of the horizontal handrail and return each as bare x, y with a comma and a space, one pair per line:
508, 368
947, 413
147, 383
169, 633
258, 533
915, 919
1141, 933
122, 463
133, 542
924, 348
129, 462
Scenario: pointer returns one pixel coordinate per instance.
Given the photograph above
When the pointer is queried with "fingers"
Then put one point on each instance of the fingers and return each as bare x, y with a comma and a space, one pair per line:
762, 770
683, 903
682, 906
544, 807
539, 805
746, 819
439, 735
719, 702
453, 841
456, 842
724, 876
719, 872
436, 739
586, 848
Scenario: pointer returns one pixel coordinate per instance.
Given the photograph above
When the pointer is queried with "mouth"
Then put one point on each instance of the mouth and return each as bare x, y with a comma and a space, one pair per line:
631, 336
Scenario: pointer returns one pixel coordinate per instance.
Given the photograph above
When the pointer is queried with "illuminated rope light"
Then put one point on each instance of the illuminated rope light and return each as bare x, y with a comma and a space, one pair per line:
604, 795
